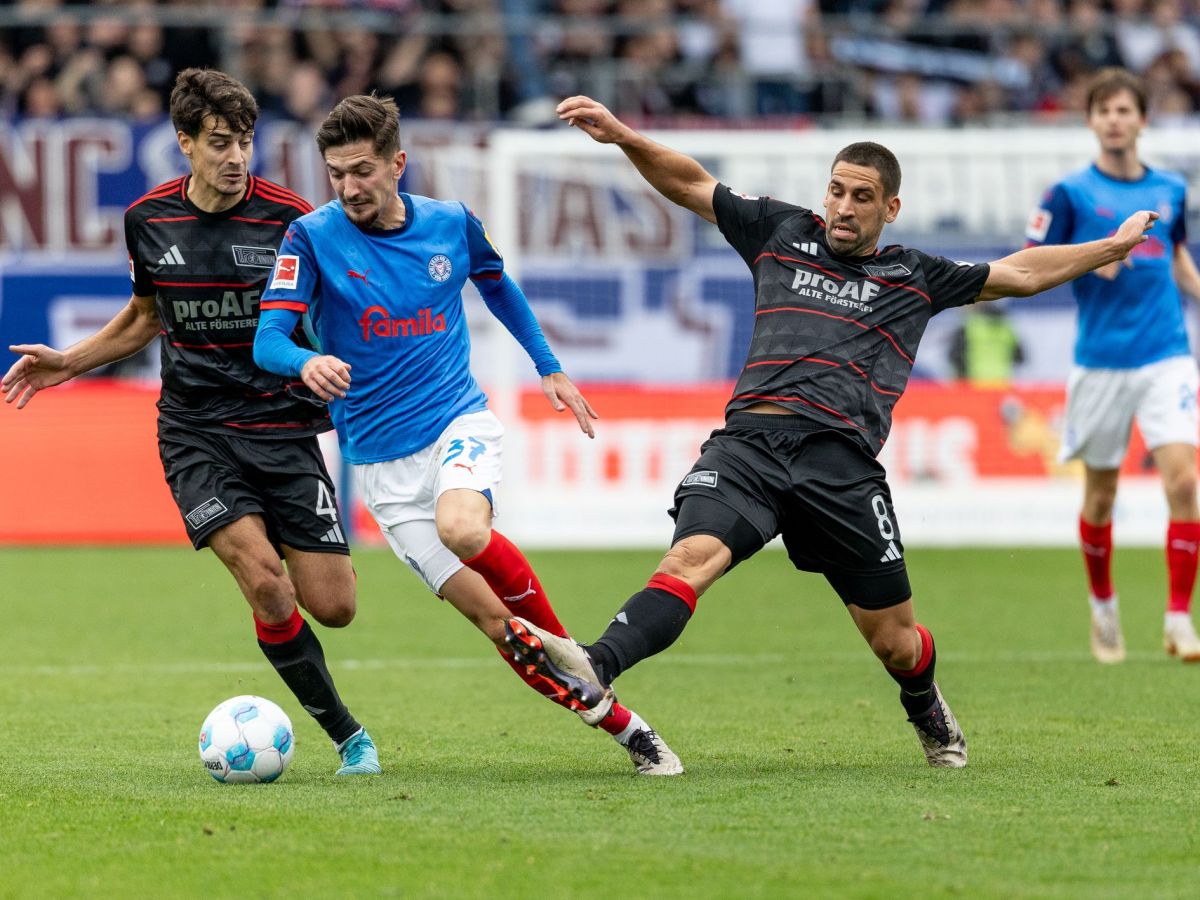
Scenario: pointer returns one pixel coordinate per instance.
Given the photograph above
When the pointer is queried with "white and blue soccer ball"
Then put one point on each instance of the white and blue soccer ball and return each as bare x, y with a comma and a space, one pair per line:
246, 740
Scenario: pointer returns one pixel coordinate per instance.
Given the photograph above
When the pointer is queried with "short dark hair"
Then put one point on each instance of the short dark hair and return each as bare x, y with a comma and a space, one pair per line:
200, 93
877, 157
362, 117
1107, 83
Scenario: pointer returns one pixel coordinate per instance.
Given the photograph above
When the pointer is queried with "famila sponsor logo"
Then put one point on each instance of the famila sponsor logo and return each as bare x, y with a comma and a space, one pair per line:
377, 321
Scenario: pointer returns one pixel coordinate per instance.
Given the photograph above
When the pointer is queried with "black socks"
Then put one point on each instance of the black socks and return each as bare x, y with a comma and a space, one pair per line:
300, 662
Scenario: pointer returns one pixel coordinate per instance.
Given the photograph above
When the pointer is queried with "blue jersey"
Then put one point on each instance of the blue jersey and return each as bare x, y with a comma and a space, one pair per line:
1137, 318
389, 303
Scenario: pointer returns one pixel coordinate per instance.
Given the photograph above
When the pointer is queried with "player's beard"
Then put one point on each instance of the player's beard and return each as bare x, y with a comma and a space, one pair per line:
843, 246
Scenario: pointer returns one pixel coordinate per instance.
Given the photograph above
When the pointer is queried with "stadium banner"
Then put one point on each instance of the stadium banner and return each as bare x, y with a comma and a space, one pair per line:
968, 466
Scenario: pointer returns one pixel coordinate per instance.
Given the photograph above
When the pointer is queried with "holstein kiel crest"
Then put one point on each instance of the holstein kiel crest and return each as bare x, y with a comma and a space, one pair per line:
440, 267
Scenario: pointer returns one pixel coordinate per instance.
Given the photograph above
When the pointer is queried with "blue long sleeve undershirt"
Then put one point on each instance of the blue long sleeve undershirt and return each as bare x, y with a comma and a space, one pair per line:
509, 304
274, 349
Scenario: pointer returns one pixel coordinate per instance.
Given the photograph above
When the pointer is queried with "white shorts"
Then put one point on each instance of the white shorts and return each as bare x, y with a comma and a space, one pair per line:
1102, 404
402, 494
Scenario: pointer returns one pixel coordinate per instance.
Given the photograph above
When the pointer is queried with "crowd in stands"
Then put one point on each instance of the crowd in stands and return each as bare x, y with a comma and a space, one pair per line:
937, 62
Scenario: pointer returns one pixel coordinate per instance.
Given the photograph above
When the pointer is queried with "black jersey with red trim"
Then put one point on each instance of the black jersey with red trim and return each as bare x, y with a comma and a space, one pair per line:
834, 336
207, 272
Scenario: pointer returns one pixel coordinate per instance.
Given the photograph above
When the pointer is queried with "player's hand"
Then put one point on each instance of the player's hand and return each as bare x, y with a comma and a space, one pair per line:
594, 118
327, 377
38, 368
1133, 230
562, 394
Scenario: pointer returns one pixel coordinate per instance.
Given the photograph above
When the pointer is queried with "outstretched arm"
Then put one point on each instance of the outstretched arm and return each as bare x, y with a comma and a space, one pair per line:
677, 177
41, 367
1036, 269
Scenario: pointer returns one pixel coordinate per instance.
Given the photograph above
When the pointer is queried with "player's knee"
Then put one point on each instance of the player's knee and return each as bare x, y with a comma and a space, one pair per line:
337, 614
463, 536
1180, 489
895, 649
270, 593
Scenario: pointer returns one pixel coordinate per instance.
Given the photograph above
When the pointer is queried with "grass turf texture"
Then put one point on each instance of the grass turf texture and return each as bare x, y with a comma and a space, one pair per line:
803, 778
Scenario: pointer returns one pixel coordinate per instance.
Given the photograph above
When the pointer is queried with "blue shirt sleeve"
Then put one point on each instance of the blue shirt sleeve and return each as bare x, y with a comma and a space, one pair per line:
1179, 226
1053, 221
509, 304
288, 296
274, 349
296, 279
486, 261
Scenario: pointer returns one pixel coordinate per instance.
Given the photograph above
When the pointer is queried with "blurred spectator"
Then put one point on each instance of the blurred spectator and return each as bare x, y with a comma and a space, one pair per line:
773, 52
985, 349
1087, 45
1143, 38
918, 61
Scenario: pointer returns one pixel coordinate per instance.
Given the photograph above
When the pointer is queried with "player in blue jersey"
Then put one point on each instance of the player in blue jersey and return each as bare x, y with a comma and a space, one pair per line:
1132, 359
381, 275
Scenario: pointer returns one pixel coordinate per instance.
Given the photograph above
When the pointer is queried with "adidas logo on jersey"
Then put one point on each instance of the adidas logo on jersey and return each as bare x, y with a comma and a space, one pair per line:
891, 554
333, 536
171, 258
812, 248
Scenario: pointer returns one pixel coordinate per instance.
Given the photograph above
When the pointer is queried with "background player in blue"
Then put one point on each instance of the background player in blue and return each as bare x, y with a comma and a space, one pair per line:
1131, 355
837, 324
238, 445
381, 274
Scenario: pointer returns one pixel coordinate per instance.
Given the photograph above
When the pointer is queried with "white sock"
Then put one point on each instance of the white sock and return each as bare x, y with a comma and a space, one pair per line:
1105, 604
1172, 617
636, 723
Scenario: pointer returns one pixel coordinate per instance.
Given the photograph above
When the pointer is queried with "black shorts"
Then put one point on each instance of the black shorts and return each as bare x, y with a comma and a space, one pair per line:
765, 475
218, 478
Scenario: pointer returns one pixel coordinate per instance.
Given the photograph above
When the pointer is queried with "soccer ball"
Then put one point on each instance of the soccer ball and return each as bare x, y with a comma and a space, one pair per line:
246, 739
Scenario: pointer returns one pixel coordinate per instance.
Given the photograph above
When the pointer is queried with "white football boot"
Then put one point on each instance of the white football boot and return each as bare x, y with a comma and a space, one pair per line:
1108, 645
565, 663
942, 740
1179, 637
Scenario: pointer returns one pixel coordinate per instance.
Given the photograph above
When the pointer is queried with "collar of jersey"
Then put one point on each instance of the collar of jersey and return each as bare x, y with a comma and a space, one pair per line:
1146, 173
388, 232
204, 214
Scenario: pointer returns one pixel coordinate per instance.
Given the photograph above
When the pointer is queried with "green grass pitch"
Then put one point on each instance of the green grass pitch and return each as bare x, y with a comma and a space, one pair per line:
803, 779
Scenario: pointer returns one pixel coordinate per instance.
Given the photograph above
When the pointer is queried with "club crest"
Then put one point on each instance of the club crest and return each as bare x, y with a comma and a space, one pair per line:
440, 267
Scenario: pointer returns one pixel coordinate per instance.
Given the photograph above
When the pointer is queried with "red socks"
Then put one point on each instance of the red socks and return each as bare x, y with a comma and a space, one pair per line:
508, 573
922, 662
1096, 543
280, 633
1182, 541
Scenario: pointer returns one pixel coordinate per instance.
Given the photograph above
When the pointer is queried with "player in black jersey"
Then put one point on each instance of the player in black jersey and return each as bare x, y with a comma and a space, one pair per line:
238, 445
837, 323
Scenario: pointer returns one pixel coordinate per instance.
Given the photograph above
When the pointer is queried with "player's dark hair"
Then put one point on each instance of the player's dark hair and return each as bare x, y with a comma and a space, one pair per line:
877, 157
362, 118
199, 93
1107, 83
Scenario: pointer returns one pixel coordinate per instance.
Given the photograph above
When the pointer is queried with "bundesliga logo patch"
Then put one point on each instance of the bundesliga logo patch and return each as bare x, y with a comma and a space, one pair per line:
287, 271
440, 267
